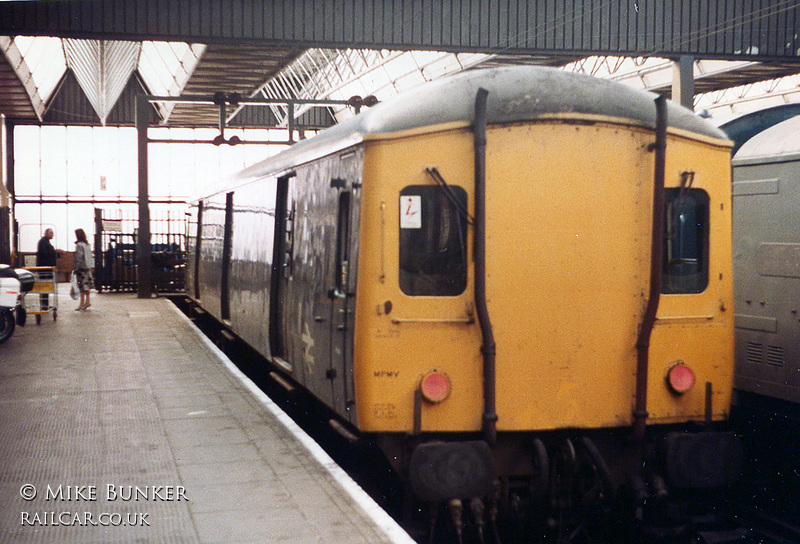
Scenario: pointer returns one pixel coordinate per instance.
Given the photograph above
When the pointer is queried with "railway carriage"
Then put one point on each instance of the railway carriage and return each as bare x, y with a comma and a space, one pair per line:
767, 258
485, 272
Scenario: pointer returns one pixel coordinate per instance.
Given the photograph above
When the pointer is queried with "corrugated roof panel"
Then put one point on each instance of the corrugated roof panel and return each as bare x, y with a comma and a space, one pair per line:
228, 69
103, 69
70, 105
83, 58
316, 118
253, 116
14, 99
124, 111
119, 62
757, 30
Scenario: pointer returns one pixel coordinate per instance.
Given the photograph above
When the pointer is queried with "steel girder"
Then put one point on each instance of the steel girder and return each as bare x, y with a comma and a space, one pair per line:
721, 29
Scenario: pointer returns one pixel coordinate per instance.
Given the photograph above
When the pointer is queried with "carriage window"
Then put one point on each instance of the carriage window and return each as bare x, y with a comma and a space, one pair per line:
685, 242
433, 241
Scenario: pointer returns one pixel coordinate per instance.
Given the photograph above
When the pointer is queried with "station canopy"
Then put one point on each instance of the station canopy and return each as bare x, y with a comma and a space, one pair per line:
41, 77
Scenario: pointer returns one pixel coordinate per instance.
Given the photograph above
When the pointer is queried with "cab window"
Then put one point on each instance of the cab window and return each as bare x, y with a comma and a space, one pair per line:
685, 242
433, 240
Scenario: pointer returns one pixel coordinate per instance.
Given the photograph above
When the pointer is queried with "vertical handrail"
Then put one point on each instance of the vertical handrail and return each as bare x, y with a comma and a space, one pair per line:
488, 348
656, 265
198, 245
227, 249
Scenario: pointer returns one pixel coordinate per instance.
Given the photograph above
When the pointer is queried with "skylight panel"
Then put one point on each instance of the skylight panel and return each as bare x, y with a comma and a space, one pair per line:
44, 57
166, 66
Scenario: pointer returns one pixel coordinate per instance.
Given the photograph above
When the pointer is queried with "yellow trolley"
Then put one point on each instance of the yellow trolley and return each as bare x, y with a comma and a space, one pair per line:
43, 298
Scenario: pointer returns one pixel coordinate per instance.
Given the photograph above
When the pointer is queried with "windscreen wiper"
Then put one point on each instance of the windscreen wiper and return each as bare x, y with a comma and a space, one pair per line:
448, 192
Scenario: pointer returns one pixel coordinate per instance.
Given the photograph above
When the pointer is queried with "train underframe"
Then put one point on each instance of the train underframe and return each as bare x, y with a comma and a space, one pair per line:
566, 485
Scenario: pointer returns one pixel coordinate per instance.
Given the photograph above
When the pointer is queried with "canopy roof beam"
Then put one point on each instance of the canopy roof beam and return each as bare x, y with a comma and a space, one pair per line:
718, 29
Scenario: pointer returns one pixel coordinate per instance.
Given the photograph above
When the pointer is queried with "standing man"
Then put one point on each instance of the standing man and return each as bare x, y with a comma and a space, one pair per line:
46, 255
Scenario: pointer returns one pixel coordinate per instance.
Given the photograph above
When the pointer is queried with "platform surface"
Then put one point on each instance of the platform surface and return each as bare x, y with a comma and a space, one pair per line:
124, 424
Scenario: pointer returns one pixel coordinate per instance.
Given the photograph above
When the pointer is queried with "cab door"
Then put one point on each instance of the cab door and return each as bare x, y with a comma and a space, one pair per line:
313, 286
346, 176
341, 296
303, 279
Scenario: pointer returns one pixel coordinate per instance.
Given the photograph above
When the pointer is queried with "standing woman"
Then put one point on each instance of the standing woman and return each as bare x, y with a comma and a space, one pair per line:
82, 266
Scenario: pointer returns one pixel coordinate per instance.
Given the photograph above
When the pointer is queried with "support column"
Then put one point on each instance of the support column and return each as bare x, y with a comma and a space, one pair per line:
8, 241
683, 81
99, 257
144, 275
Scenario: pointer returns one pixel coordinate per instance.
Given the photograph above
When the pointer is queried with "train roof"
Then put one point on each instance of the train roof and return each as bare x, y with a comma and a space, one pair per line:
745, 126
519, 93
777, 143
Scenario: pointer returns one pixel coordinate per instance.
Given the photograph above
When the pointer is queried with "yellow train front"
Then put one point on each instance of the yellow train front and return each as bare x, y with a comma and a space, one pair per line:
464, 274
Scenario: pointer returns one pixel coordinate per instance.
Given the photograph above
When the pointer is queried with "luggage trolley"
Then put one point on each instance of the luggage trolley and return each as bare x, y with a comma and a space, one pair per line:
43, 298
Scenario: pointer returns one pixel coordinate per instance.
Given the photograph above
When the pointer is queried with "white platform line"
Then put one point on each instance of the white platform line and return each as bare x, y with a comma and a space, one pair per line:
384, 521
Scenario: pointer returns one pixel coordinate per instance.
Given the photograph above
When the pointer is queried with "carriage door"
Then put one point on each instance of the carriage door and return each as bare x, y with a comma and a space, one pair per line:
342, 300
281, 272
227, 245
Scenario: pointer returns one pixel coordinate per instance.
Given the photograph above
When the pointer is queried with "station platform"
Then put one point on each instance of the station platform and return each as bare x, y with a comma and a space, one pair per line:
123, 423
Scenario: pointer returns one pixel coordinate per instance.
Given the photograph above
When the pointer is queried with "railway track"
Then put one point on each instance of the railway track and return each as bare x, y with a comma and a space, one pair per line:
720, 519
759, 527
692, 520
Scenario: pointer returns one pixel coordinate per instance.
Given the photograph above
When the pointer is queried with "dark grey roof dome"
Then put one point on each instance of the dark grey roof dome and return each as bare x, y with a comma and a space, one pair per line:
522, 93
517, 93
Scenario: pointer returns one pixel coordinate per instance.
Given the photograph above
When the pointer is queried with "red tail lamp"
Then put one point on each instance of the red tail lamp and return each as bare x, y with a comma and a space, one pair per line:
680, 378
435, 386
